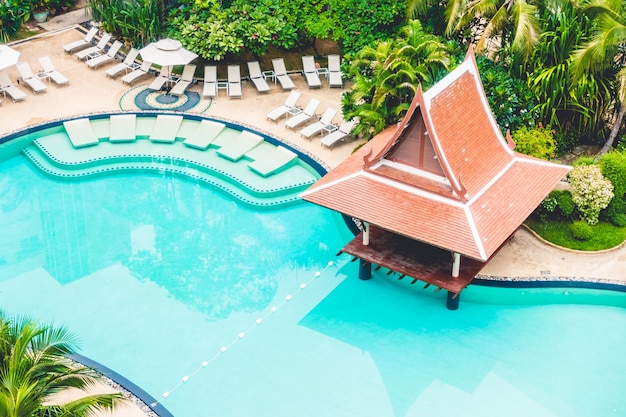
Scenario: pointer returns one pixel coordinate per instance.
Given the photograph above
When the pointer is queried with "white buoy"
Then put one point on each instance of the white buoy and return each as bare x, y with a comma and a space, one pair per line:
241, 335
204, 364
185, 378
330, 263
317, 274
274, 309
303, 285
223, 349
288, 298
259, 320
166, 394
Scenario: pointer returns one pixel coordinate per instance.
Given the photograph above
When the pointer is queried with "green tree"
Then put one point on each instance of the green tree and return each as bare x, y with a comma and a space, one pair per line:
387, 75
34, 365
605, 50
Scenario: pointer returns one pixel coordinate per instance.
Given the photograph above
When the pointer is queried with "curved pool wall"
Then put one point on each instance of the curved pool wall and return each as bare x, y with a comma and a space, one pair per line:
13, 143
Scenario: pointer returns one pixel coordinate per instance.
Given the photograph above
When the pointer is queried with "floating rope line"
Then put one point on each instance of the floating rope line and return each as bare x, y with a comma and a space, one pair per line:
240, 336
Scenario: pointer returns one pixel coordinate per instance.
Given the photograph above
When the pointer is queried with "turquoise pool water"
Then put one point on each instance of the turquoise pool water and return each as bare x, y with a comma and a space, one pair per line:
158, 275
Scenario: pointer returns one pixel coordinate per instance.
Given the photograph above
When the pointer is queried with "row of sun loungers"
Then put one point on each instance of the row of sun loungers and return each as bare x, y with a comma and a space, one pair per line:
35, 81
122, 128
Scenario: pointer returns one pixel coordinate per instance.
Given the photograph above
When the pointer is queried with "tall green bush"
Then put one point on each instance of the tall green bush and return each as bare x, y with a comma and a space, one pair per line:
12, 14
536, 141
613, 166
591, 192
138, 22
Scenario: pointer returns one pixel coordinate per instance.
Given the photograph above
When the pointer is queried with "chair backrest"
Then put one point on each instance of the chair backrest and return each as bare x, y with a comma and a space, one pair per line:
234, 74
104, 41
46, 64
254, 69
131, 57
311, 108
5, 80
327, 117
145, 66
114, 49
334, 64
346, 127
293, 98
188, 73
279, 66
93, 31
210, 74
308, 63
25, 70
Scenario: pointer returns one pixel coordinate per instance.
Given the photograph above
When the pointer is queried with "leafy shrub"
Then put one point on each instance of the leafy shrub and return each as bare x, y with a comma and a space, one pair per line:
591, 192
619, 220
581, 230
538, 141
12, 14
545, 210
613, 165
565, 204
584, 160
137, 22
566, 140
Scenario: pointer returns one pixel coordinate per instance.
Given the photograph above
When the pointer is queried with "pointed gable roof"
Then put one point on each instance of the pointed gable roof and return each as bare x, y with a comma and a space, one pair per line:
444, 175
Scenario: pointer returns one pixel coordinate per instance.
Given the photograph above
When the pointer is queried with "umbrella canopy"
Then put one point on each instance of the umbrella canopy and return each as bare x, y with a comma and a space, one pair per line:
8, 56
167, 52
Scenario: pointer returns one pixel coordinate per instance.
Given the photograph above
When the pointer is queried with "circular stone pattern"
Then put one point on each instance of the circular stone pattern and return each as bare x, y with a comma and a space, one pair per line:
159, 100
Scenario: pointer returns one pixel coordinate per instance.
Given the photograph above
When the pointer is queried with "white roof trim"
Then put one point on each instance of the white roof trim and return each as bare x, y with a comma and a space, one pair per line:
412, 170
491, 182
313, 189
472, 225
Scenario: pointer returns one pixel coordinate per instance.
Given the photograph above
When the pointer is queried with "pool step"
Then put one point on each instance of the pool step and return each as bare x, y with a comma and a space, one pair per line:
237, 183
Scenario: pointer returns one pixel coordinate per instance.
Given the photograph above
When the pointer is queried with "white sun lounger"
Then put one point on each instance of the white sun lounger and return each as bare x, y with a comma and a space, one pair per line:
338, 135
283, 109
93, 51
110, 56
81, 43
27, 75
137, 73
326, 121
310, 72
122, 128
256, 76
161, 79
7, 87
50, 71
334, 71
279, 159
80, 132
307, 114
126, 65
186, 79
280, 72
234, 81
165, 128
209, 87
236, 148
204, 134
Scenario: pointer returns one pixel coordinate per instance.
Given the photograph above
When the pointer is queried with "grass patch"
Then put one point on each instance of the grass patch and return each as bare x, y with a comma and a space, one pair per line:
24, 33
605, 235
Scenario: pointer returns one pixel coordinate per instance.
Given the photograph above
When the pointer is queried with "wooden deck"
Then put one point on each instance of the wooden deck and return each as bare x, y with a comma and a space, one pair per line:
413, 259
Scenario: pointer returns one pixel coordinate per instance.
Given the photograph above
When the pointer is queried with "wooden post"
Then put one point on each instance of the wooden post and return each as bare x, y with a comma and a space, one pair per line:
365, 269
452, 301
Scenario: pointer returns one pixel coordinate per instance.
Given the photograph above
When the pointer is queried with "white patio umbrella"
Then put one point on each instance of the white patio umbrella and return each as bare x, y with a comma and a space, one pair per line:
8, 56
166, 53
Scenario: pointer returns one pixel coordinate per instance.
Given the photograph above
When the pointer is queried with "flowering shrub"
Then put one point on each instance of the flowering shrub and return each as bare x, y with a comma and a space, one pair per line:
537, 141
591, 192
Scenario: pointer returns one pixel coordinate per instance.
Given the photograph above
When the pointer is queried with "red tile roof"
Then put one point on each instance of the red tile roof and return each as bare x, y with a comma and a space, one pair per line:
444, 176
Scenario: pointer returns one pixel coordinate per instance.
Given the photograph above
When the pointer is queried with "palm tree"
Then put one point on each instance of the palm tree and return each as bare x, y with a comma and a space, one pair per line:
511, 21
605, 50
34, 366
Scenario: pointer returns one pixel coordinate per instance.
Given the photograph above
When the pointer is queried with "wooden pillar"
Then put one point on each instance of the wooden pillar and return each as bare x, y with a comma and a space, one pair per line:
366, 233
365, 269
452, 301
456, 264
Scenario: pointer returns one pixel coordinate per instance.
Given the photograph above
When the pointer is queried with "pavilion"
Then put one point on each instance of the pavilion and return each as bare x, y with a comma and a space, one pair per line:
441, 185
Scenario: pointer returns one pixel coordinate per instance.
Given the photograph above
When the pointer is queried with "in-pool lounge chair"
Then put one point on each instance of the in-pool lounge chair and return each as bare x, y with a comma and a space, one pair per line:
123, 128
7, 87
186, 79
165, 128
237, 148
280, 72
278, 160
310, 72
307, 114
137, 73
256, 76
209, 86
334, 72
80, 132
325, 122
27, 76
234, 81
202, 136
48, 69
338, 135
284, 109
83, 43
94, 51
110, 56
128, 64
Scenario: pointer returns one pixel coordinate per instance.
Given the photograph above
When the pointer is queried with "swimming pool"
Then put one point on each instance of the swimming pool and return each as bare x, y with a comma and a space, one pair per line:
159, 278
